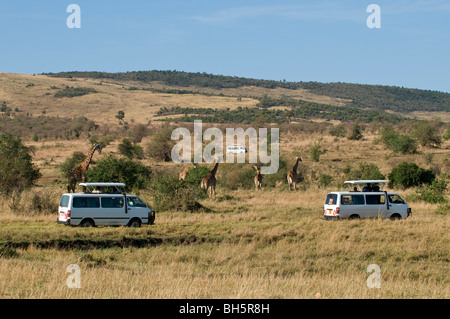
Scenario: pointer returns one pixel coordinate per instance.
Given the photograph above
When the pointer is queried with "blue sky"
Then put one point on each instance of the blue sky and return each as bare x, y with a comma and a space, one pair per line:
324, 41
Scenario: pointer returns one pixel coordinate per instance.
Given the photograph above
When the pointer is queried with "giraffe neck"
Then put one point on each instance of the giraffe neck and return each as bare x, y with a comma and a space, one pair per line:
214, 170
85, 164
295, 166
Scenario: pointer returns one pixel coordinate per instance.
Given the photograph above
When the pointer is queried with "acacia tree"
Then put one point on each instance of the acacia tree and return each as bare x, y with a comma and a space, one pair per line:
17, 171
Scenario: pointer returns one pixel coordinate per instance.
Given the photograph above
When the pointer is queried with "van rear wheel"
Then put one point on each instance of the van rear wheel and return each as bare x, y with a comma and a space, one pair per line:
354, 216
87, 223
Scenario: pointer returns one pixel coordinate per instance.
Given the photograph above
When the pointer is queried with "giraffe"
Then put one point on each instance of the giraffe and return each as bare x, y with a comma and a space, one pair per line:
183, 174
292, 175
78, 173
258, 177
209, 181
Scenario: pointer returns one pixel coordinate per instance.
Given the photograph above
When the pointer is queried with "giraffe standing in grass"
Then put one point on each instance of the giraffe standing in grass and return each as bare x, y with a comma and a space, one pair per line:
258, 178
209, 181
78, 173
292, 175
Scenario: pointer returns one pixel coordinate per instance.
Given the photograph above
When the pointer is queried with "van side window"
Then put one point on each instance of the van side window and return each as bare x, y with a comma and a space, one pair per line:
112, 202
374, 199
395, 199
86, 202
331, 199
352, 200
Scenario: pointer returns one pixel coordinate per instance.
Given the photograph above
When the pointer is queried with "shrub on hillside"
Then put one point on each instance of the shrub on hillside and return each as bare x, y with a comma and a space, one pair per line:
356, 133
434, 192
129, 150
315, 151
364, 171
409, 175
73, 92
403, 144
160, 145
427, 134
338, 131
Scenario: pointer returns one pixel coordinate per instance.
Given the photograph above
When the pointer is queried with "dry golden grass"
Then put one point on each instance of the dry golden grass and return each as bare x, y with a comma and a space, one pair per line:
286, 251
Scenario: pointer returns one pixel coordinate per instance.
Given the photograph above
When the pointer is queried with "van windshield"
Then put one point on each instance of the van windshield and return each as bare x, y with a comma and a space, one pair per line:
331, 199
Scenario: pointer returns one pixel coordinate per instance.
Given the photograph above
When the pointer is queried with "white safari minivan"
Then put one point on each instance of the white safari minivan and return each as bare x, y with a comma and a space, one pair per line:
103, 204
369, 202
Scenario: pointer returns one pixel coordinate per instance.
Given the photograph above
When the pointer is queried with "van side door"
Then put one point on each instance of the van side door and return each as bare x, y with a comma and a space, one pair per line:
351, 204
375, 205
113, 210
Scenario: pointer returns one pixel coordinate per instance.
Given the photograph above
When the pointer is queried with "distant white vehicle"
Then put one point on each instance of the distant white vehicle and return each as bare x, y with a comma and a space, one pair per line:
103, 204
236, 149
369, 202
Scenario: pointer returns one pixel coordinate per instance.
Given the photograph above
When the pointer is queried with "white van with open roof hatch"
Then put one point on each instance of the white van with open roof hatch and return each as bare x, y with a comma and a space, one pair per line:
103, 204
366, 200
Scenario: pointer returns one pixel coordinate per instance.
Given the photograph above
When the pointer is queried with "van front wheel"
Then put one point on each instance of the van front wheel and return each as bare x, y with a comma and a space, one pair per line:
395, 217
135, 223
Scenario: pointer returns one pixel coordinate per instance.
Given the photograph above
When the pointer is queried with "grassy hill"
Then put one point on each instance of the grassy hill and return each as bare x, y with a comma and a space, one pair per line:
364, 96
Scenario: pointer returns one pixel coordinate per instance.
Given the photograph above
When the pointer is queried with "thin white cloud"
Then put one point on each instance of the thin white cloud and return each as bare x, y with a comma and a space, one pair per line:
419, 6
323, 11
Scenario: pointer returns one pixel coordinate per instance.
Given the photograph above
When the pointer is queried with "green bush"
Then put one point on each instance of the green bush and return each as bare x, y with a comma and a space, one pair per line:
338, 131
237, 176
73, 92
409, 175
356, 133
272, 180
435, 192
325, 180
161, 143
403, 144
120, 170
17, 171
196, 174
447, 134
427, 134
171, 194
364, 171
129, 150
315, 151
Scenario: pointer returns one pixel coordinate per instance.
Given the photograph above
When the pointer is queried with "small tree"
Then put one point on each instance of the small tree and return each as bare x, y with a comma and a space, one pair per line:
409, 175
398, 143
138, 132
103, 141
316, 151
427, 134
17, 171
364, 171
356, 133
120, 115
160, 145
338, 131
129, 150
120, 170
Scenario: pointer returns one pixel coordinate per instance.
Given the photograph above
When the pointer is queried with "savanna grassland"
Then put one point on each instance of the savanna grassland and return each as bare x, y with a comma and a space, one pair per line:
244, 243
